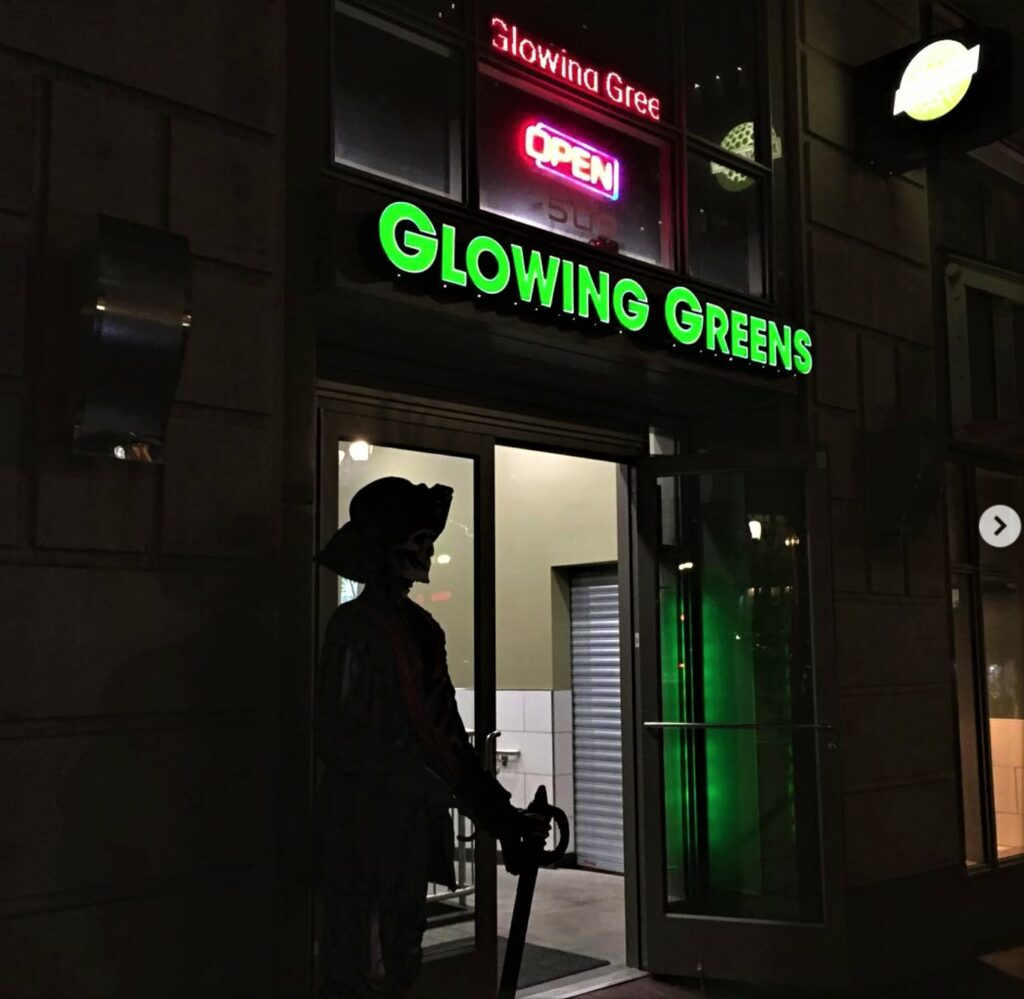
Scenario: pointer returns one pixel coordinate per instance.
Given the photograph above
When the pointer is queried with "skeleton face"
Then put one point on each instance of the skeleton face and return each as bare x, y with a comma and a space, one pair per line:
411, 559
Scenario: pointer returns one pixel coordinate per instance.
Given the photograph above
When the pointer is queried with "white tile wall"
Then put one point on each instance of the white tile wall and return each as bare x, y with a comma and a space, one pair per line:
535, 752
537, 710
564, 793
563, 753
532, 781
510, 711
563, 710
514, 784
539, 724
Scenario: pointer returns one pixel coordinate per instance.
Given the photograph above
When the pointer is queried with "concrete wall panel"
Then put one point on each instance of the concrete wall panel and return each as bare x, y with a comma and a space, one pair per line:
217, 487
223, 194
198, 942
229, 361
895, 831
143, 642
881, 643
107, 156
123, 806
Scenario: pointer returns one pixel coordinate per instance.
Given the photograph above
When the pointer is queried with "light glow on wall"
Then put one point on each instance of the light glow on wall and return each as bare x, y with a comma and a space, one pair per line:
572, 160
936, 80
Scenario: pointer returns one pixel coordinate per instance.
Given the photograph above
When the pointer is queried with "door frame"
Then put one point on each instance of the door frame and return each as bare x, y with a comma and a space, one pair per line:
769, 952
406, 421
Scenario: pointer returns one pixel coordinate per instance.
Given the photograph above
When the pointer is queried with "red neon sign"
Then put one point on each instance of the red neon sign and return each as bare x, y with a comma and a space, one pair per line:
572, 160
557, 63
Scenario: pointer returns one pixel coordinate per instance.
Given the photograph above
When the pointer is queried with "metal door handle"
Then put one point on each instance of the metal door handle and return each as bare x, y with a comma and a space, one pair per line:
736, 725
490, 760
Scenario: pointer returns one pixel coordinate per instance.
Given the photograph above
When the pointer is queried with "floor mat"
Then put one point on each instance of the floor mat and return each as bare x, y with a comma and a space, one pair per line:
545, 964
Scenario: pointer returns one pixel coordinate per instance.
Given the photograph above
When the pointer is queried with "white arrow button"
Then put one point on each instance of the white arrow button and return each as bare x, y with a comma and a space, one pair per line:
999, 526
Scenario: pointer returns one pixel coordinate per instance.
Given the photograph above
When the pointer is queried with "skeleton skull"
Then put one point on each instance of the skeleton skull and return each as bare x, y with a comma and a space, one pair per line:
411, 559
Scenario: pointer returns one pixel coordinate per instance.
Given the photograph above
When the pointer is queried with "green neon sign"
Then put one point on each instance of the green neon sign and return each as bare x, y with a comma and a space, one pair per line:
413, 245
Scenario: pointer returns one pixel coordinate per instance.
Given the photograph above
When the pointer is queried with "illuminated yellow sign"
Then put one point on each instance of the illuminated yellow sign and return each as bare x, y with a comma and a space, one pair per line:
936, 80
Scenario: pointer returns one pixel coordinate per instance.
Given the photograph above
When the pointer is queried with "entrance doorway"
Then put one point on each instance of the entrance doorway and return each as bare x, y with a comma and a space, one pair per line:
523, 523
730, 786
556, 520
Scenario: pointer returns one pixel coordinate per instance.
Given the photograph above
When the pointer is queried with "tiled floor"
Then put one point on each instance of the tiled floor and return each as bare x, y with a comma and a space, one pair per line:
556, 919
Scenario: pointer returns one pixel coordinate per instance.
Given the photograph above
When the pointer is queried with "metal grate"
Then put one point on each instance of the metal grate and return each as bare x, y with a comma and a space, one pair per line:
597, 725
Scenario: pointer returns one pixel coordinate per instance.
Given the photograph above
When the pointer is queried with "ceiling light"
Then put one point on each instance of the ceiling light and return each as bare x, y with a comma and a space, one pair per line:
359, 451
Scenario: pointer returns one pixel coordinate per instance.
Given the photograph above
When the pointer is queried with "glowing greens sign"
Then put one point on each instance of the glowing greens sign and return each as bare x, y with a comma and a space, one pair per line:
414, 245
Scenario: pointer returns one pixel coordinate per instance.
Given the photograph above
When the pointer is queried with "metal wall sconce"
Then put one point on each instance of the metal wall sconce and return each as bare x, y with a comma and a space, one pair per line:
134, 312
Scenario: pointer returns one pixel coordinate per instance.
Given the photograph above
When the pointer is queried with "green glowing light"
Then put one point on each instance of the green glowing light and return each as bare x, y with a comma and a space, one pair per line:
410, 242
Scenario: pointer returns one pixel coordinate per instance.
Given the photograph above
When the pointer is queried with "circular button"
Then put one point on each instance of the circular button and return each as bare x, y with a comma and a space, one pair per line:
999, 526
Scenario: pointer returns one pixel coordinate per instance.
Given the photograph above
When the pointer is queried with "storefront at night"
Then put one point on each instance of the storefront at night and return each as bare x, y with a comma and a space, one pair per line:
708, 313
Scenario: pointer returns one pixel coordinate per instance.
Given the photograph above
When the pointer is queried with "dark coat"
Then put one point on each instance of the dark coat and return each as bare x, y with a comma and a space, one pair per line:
396, 753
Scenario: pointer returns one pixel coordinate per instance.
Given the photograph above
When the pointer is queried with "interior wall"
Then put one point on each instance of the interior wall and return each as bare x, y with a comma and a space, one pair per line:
552, 510
449, 596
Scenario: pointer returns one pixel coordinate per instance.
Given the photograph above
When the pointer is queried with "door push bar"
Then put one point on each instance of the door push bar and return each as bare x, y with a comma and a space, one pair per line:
739, 725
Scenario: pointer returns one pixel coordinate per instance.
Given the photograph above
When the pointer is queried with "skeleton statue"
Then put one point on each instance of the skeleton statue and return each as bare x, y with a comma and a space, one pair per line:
395, 752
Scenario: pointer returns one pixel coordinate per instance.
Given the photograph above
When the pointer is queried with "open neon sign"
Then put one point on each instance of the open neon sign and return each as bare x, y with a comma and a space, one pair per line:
572, 160
556, 62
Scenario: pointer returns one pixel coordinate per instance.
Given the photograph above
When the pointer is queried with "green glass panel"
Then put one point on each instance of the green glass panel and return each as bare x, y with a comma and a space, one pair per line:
740, 792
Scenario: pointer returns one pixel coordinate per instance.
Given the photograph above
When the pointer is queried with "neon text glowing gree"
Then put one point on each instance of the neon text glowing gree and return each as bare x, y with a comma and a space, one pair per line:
572, 160
559, 64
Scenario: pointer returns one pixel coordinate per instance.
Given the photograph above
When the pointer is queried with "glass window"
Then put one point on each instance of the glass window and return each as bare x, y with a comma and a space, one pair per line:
449, 12
724, 218
619, 53
740, 788
967, 704
450, 597
722, 73
985, 311
386, 120
1004, 675
572, 174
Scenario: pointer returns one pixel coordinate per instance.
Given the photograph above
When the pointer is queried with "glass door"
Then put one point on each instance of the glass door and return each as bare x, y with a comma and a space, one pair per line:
459, 945
735, 743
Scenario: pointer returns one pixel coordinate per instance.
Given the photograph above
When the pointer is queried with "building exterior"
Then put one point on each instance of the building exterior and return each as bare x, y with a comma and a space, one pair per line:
837, 804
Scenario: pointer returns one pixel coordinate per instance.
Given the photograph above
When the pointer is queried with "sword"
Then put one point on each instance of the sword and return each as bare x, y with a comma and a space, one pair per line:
534, 857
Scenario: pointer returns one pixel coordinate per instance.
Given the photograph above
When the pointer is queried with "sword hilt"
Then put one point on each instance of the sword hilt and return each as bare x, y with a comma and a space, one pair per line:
540, 806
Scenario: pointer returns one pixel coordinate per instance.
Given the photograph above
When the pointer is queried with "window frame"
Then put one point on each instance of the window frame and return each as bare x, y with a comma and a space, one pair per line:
975, 574
470, 41
960, 274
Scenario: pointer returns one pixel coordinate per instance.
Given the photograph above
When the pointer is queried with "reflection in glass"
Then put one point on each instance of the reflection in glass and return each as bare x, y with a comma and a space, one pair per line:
450, 597
724, 219
721, 76
1004, 674
962, 599
741, 813
385, 120
634, 224
449, 12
